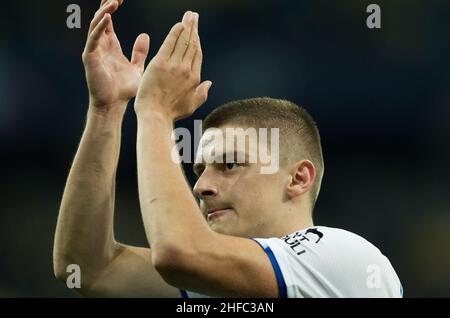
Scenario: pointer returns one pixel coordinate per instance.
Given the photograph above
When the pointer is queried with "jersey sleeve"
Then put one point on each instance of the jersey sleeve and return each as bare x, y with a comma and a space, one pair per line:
189, 294
329, 263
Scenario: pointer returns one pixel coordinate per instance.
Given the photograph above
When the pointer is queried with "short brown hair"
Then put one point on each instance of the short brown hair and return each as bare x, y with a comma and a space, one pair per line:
299, 135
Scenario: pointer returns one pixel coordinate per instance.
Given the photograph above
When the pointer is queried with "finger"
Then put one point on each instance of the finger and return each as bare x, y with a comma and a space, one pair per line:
190, 54
110, 26
201, 93
197, 63
103, 5
140, 50
193, 43
104, 1
97, 33
110, 7
184, 38
198, 58
166, 49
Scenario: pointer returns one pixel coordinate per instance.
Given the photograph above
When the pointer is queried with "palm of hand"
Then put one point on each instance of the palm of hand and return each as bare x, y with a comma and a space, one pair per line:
111, 77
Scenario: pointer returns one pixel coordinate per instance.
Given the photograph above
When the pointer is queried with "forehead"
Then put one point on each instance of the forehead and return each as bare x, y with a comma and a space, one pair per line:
241, 144
229, 137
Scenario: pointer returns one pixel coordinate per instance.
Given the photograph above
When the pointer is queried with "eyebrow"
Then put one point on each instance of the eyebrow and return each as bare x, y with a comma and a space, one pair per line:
197, 167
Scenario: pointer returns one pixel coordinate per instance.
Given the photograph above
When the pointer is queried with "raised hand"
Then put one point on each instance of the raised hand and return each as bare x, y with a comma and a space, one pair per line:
112, 79
172, 82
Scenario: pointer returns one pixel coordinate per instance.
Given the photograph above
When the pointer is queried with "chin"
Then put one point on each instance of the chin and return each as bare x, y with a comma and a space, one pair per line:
225, 230
220, 228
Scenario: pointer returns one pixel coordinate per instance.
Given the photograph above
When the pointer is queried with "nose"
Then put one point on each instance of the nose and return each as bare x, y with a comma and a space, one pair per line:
204, 188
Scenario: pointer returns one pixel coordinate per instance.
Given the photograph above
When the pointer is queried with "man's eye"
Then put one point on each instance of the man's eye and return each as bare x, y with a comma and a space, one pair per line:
231, 165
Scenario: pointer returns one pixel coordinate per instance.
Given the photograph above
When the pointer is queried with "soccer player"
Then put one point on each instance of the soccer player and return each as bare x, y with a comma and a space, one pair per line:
251, 235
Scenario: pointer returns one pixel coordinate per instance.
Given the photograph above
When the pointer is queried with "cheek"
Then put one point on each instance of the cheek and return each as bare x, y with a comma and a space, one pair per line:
244, 188
253, 196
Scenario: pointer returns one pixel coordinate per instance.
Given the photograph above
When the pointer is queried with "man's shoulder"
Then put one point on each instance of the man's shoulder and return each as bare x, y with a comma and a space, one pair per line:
325, 242
321, 231
326, 236
323, 261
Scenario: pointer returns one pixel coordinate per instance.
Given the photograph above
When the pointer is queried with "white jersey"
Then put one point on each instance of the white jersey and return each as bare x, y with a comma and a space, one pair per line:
327, 262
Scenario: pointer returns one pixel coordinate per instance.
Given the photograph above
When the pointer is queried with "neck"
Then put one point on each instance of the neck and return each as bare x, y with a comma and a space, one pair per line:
290, 222
294, 219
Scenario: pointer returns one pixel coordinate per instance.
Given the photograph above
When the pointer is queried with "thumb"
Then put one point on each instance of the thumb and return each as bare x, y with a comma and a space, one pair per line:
201, 92
140, 50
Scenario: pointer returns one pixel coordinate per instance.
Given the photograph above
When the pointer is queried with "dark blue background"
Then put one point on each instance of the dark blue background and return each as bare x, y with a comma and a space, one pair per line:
381, 99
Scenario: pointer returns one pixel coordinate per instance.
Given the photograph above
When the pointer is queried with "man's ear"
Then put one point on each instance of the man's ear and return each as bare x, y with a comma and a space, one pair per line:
303, 174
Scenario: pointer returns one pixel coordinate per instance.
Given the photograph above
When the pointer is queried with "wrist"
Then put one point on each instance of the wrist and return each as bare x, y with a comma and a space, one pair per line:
99, 124
107, 115
116, 109
150, 112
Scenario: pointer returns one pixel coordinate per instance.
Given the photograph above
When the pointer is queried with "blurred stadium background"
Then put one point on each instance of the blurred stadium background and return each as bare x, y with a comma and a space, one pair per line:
381, 99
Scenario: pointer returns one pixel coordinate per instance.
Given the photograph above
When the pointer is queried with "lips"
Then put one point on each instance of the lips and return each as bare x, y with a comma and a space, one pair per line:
216, 212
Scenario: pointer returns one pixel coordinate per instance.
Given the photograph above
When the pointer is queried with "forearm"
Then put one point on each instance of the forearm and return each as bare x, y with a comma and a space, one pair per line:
170, 89
165, 196
84, 232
